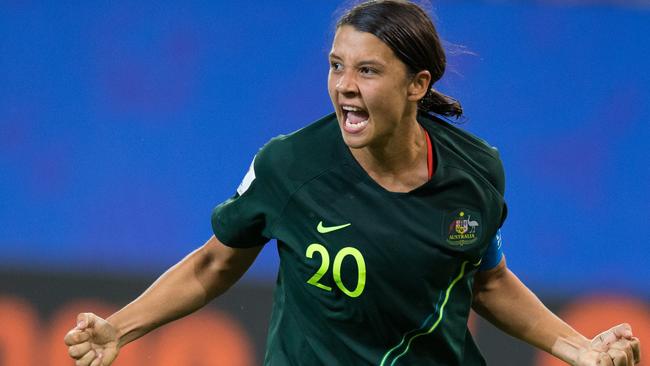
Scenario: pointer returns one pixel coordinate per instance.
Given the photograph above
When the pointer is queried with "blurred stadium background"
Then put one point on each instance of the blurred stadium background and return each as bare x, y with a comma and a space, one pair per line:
122, 124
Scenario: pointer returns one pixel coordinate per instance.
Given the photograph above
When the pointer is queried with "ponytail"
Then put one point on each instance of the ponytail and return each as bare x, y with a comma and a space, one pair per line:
436, 102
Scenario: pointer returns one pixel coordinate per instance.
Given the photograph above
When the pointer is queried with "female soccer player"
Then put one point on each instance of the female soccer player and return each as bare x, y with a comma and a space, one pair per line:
387, 222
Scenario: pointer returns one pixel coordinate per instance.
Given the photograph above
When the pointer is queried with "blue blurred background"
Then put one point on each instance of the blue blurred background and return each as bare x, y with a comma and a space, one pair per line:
122, 124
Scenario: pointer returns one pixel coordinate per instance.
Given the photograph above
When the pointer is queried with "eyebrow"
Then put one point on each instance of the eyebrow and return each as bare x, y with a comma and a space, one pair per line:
371, 62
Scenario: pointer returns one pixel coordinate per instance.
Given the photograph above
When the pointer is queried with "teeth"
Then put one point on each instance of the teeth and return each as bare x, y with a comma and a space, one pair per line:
355, 127
350, 108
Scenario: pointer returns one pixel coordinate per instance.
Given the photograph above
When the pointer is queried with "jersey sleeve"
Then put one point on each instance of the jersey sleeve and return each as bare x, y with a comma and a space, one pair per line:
499, 182
493, 254
245, 219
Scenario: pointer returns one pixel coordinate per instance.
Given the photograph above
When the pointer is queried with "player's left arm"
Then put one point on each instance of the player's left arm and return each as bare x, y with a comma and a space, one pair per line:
501, 298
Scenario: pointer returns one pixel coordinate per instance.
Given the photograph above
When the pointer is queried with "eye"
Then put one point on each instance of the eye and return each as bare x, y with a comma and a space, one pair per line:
336, 66
367, 70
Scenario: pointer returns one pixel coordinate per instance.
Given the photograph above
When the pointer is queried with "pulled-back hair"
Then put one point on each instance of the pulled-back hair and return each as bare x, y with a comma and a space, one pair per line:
409, 32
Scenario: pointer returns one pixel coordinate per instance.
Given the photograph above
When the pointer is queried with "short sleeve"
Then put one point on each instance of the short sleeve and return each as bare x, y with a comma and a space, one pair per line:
504, 214
244, 219
499, 181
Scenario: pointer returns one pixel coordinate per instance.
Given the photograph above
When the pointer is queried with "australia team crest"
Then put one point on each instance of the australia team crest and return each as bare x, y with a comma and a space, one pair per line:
463, 227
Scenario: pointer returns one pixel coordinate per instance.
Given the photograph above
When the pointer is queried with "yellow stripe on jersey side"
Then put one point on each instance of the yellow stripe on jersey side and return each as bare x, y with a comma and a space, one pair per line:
435, 325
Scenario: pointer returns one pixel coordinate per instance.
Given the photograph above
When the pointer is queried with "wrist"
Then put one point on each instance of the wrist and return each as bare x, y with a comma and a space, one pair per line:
126, 330
569, 348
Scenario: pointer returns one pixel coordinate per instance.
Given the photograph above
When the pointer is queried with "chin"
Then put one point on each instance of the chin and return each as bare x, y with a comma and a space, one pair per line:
354, 142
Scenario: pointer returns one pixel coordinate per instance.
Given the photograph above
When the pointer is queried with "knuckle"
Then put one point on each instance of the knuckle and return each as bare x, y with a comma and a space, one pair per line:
69, 338
79, 351
619, 356
76, 353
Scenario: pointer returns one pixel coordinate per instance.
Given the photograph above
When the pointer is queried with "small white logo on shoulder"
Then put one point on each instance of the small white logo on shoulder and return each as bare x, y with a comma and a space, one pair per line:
248, 179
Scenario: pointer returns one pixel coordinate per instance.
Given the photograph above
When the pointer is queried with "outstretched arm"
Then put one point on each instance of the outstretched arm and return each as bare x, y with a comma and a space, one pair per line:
501, 298
187, 286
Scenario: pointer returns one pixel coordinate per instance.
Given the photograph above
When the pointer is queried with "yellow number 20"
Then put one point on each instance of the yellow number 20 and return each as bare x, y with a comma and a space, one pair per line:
338, 261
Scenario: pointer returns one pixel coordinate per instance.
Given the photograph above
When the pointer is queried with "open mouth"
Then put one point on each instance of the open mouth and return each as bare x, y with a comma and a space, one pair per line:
355, 119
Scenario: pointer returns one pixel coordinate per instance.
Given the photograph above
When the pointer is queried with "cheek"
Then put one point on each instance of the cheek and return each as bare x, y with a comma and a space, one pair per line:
385, 101
331, 86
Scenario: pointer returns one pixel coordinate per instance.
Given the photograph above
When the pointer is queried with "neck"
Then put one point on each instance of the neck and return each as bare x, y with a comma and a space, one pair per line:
399, 161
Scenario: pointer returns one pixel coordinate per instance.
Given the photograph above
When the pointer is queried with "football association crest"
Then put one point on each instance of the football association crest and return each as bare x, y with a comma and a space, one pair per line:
464, 227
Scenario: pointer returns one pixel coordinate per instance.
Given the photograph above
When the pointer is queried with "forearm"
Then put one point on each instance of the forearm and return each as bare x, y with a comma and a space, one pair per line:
507, 303
174, 294
193, 282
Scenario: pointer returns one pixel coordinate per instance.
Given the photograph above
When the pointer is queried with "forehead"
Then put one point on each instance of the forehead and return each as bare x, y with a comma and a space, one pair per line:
353, 45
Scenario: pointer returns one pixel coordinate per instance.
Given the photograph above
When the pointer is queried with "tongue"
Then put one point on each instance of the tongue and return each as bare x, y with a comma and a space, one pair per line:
357, 117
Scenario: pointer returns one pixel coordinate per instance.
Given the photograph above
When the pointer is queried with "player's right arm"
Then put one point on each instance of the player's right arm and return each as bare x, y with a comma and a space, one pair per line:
187, 286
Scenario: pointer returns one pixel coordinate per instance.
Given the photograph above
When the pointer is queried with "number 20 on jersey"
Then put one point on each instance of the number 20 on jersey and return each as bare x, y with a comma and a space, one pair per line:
336, 268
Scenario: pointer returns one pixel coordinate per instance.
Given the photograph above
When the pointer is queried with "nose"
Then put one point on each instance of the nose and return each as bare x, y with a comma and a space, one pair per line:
346, 84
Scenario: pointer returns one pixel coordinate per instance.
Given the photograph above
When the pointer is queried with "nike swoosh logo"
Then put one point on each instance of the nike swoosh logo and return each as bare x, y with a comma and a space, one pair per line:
328, 229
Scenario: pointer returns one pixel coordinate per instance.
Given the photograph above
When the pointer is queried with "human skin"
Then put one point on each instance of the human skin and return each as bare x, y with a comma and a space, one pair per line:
365, 73
391, 148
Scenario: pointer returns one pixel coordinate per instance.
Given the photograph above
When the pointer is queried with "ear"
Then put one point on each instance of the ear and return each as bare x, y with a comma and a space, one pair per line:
419, 85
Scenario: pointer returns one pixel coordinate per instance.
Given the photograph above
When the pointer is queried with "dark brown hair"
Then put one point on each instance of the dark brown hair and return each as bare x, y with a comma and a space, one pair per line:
410, 33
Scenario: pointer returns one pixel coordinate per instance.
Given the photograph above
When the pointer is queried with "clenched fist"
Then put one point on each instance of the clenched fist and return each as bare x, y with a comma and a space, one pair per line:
93, 342
613, 347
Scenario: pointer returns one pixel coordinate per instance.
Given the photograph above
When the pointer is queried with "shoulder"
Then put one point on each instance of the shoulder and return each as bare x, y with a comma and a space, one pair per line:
467, 150
300, 155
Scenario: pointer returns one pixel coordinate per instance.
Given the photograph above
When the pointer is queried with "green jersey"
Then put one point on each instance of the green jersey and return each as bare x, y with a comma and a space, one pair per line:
368, 276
